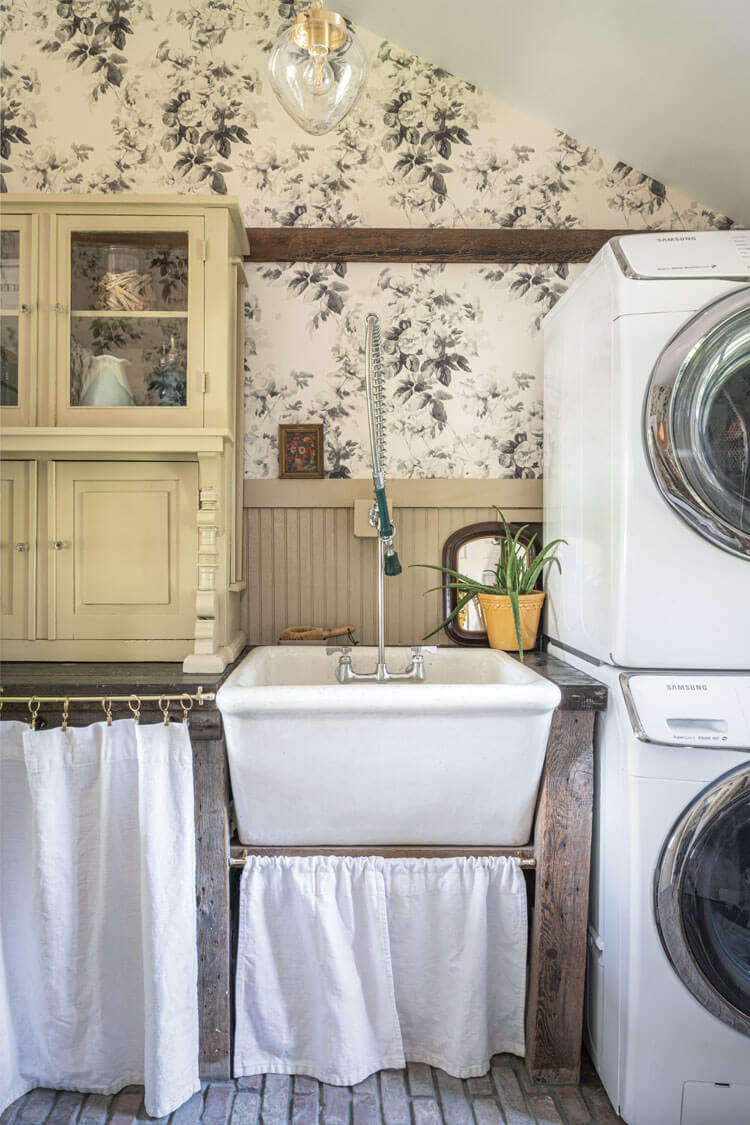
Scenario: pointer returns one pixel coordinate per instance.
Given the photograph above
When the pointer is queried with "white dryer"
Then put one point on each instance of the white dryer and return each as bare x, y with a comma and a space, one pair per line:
647, 453
668, 987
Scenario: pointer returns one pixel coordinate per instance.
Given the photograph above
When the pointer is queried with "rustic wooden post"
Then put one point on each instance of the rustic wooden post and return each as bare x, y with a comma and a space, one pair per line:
212, 902
557, 954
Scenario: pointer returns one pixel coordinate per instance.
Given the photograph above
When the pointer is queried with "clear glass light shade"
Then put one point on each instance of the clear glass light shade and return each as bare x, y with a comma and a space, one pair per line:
318, 84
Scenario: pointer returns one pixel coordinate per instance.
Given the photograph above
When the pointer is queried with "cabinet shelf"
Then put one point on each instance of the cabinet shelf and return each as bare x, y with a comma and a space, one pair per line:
119, 314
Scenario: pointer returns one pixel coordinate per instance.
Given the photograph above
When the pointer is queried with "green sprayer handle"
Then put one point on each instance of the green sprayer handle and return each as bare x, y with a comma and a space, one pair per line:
386, 527
392, 565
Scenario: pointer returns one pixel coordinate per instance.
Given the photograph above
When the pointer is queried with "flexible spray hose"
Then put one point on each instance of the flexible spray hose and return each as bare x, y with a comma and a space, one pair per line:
375, 388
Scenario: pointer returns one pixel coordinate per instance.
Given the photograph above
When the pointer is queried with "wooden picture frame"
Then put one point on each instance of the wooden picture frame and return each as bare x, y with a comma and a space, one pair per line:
301, 451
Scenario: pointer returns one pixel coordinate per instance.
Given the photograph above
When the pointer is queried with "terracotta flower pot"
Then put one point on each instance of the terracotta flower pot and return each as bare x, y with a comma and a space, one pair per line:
498, 617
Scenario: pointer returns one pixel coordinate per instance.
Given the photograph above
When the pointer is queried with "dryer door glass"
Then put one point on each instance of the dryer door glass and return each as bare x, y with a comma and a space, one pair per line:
715, 904
711, 420
702, 898
697, 420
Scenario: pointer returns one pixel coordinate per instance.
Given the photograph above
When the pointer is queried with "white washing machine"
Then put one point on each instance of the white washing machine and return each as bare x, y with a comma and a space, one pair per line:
647, 476
668, 987
647, 453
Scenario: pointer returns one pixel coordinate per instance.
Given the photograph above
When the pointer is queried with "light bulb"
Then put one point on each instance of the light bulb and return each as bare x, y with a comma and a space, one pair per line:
317, 73
318, 70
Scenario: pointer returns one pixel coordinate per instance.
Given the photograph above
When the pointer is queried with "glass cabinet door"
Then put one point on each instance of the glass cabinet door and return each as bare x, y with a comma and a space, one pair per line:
129, 309
17, 321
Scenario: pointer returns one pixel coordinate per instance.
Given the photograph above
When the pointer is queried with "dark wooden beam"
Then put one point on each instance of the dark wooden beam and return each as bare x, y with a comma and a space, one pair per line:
425, 244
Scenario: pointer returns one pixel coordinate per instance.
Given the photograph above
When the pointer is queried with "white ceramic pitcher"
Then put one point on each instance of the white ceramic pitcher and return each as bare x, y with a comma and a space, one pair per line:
107, 383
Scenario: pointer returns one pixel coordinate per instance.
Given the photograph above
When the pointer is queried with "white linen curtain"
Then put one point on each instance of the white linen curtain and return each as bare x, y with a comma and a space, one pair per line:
98, 953
350, 965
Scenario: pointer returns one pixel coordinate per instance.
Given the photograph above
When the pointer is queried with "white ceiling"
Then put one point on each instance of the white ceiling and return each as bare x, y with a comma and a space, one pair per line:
663, 86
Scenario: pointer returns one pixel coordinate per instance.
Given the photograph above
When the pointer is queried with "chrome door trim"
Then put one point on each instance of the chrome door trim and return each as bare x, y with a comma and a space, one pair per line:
662, 459
668, 884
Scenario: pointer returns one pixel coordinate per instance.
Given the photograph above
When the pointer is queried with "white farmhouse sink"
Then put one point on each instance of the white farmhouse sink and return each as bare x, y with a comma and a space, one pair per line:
455, 760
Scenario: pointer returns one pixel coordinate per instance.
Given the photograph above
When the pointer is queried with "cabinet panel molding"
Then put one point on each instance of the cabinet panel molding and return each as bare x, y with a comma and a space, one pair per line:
124, 550
17, 548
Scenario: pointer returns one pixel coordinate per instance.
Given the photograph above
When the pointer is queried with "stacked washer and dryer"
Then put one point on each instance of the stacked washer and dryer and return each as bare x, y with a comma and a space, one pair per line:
647, 476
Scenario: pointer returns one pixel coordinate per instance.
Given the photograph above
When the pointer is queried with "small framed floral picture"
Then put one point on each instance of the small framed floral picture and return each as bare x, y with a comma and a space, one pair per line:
301, 451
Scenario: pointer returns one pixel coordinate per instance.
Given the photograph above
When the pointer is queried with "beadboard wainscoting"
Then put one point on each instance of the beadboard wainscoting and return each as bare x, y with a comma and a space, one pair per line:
306, 566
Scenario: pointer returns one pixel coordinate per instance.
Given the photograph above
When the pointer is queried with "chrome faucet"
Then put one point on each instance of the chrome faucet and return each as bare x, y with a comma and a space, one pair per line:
345, 674
380, 519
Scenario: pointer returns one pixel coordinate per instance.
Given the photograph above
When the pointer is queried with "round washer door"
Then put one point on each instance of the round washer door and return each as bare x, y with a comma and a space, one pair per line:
702, 898
697, 422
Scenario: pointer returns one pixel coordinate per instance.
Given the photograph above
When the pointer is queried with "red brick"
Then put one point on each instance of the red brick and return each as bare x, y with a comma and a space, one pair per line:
126, 1106
36, 1106
574, 1107
335, 1105
426, 1112
486, 1112
245, 1108
218, 1104
545, 1110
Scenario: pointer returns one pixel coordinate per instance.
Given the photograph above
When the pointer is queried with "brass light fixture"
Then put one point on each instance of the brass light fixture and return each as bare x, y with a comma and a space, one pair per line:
318, 69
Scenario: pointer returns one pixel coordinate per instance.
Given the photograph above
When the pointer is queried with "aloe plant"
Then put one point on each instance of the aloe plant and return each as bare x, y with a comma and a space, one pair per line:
516, 573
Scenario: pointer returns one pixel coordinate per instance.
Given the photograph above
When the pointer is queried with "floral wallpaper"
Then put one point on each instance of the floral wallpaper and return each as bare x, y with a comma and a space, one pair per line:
173, 96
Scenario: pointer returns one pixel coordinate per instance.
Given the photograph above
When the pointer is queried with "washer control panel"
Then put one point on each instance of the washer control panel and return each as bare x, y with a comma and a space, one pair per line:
671, 254
689, 709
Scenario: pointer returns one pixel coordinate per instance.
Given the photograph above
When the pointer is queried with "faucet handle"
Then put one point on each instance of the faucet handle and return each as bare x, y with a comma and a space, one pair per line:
418, 650
331, 650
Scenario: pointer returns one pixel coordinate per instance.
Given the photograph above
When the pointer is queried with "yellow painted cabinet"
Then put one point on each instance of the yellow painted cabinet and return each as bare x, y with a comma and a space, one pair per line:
121, 334
17, 548
124, 550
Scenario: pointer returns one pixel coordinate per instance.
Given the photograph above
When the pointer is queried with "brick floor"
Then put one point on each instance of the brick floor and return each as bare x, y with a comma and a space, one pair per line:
420, 1095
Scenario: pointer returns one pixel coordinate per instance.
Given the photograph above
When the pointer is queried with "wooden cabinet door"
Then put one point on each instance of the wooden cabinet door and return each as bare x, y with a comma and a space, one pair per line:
17, 549
124, 550
19, 306
129, 316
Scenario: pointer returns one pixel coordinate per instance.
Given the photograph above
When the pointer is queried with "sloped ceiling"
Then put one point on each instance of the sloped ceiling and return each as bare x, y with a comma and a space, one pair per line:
663, 86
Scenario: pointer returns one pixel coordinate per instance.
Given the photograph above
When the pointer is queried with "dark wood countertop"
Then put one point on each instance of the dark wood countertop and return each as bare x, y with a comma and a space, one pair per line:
579, 691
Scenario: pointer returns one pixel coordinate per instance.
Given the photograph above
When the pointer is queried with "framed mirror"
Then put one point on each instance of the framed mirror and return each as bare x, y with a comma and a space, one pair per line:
473, 550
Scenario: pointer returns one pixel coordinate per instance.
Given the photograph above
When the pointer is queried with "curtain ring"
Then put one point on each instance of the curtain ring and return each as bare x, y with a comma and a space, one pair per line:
135, 710
34, 710
185, 709
107, 709
64, 723
165, 709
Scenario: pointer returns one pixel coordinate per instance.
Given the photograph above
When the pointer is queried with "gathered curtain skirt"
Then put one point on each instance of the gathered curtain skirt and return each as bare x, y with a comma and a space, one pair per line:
350, 965
98, 952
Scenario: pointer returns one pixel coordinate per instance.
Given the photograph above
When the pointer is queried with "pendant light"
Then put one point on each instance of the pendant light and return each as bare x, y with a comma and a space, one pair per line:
318, 69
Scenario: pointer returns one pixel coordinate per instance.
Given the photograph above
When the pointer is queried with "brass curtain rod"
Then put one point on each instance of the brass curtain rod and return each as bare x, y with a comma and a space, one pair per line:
200, 697
241, 860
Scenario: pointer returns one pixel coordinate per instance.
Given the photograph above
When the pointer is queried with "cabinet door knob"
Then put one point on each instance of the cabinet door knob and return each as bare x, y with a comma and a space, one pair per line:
58, 545
24, 308
57, 307
22, 546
